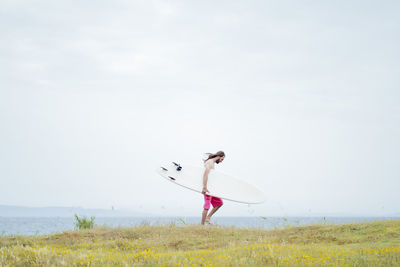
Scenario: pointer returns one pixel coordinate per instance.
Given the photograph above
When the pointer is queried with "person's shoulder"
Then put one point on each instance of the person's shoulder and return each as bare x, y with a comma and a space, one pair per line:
209, 164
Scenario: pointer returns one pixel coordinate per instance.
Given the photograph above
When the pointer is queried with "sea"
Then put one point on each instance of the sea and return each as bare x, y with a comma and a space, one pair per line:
49, 225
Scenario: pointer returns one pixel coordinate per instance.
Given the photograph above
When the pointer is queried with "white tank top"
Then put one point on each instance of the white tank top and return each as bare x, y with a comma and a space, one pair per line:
209, 164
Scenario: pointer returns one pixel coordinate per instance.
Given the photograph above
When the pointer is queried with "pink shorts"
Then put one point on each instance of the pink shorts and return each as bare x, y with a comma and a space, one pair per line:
215, 201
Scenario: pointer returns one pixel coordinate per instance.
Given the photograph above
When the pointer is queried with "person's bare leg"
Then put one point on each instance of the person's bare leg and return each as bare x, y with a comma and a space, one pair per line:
204, 216
214, 210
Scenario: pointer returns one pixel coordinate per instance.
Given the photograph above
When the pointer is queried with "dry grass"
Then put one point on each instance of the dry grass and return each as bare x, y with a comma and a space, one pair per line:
375, 243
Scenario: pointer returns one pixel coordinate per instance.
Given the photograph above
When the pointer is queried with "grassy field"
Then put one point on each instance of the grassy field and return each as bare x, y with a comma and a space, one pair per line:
358, 244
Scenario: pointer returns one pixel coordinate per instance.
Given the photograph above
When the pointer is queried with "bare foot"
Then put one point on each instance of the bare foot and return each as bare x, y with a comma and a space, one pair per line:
208, 221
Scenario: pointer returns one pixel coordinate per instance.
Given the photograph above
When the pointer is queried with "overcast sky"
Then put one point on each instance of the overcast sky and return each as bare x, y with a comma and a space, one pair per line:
303, 97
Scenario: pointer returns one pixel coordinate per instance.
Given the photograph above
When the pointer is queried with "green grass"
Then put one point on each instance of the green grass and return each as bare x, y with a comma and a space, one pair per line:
357, 244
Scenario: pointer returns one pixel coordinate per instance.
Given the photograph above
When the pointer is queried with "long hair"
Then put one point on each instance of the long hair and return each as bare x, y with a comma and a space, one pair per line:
211, 155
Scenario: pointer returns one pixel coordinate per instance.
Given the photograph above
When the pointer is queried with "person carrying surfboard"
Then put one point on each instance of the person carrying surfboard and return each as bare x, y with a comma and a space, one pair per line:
216, 202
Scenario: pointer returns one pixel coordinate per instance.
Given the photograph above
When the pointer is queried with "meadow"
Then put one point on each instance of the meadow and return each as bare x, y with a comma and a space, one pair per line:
356, 244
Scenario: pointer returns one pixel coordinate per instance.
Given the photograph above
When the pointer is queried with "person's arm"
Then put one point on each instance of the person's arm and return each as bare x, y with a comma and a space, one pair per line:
205, 179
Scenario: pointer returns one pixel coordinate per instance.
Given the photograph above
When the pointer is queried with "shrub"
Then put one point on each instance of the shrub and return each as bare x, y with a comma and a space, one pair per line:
83, 222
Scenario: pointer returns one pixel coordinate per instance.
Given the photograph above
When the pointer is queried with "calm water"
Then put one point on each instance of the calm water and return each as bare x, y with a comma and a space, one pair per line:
40, 226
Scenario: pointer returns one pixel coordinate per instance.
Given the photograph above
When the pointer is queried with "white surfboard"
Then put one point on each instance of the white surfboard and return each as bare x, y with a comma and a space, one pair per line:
219, 184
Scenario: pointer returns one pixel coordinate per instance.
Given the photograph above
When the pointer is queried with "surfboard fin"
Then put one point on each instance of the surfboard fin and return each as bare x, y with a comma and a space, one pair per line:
178, 166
